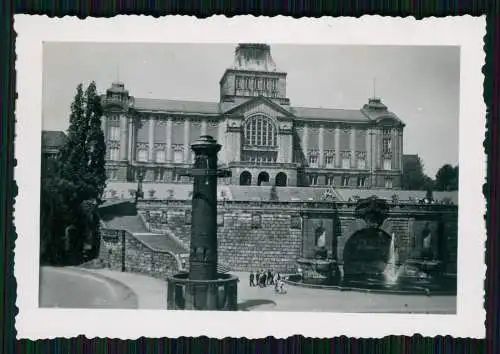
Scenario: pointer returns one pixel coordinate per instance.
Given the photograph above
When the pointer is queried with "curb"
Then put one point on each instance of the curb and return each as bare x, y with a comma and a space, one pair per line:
125, 288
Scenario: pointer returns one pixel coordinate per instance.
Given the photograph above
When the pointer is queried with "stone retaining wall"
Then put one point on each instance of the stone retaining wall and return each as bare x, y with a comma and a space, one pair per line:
262, 235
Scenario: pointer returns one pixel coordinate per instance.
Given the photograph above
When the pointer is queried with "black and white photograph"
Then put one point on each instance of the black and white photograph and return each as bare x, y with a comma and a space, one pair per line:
251, 176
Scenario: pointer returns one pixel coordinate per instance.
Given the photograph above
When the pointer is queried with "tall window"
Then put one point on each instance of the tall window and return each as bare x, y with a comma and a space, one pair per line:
238, 82
142, 155
330, 180
160, 156
329, 159
247, 83
346, 162
313, 180
387, 146
388, 182
387, 164
114, 133
178, 156
260, 131
114, 154
313, 158
361, 181
361, 163
345, 181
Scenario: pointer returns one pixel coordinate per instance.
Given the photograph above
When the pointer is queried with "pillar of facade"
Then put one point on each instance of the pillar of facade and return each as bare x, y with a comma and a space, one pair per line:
305, 142
401, 152
131, 143
104, 126
221, 138
151, 136
394, 148
368, 142
337, 147
352, 147
168, 141
321, 146
203, 130
380, 149
123, 137
186, 141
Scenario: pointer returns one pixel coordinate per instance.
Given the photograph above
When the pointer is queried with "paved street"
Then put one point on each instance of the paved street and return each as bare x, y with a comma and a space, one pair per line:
74, 288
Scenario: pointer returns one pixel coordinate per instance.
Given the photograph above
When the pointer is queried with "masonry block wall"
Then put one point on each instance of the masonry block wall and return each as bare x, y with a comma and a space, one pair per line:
272, 235
138, 257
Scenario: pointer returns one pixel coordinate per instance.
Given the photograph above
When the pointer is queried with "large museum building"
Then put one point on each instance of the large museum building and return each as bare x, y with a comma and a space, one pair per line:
265, 139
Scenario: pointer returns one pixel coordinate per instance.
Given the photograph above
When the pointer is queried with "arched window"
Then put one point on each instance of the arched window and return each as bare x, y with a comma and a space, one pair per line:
260, 131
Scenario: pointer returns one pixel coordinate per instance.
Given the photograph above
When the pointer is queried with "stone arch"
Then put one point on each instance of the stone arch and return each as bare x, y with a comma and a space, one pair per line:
366, 253
281, 179
263, 177
245, 178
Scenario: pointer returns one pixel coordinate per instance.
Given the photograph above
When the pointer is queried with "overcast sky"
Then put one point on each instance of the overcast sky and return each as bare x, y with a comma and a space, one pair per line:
418, 83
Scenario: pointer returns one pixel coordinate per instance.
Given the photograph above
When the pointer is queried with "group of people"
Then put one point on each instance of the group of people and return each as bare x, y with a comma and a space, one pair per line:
262, 279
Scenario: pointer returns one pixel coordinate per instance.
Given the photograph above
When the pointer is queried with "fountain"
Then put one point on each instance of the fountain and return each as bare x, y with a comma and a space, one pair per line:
371, 263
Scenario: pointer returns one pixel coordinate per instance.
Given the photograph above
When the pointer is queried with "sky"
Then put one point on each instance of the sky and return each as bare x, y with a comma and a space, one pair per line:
420, 84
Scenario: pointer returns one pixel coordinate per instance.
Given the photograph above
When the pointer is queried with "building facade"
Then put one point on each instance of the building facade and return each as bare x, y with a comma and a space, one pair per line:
265, 140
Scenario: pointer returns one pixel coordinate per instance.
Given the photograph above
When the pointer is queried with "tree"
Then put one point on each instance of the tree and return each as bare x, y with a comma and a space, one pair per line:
414, 177
447, 178
72, 192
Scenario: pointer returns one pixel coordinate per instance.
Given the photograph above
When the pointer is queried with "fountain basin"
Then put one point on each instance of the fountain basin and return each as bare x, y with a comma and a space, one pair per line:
318, 271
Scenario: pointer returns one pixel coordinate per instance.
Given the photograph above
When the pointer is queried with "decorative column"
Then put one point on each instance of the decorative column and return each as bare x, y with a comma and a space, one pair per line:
131, 143
168, 141
394, 149
321, 138
337, 147
368, 141
123, 137
401, 150
352, 147
203, 127
104, 121
151, 143
305, 142
380, 144
186, 141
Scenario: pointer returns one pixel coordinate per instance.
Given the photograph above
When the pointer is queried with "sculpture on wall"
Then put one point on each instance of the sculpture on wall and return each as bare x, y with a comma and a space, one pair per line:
320, 250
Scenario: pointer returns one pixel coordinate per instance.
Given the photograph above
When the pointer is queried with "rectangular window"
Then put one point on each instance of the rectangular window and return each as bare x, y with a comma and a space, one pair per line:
160, 156
346, 162
361, 182
387, 148
142, 155
330, 181
345, 181
313, 160
247, 83
361, 163
114, 133
114, 154
238, 82
178, 156
387, 164
313, 180
388, 183
330, 161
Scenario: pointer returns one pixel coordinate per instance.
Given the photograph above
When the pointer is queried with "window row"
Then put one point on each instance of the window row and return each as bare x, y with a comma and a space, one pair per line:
257, 83
329, 162
345, 181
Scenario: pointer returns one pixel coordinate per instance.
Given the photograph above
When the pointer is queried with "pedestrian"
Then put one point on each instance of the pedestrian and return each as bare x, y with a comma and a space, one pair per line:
276, 278
263, 280
269, 277
252, 276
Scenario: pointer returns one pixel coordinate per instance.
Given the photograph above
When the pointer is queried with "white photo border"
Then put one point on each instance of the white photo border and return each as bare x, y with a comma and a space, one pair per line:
467, 32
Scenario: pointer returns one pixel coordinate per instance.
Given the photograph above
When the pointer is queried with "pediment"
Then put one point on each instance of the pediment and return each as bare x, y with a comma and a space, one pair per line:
260, 105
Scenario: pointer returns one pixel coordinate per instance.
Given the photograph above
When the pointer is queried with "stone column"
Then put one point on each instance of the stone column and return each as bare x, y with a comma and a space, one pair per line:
337, 147
203, 127
186, 140
123, 137
305, 142
380, 144
401, 150
169, 139
131, 143
368, 142
151, 143
352, 147
394, 148
104, 126
321, 144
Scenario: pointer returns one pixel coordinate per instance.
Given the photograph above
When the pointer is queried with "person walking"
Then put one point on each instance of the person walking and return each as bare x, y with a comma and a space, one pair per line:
269, 277
252, 276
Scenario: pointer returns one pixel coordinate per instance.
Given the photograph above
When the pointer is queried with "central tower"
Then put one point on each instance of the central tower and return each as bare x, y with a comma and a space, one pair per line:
253, 74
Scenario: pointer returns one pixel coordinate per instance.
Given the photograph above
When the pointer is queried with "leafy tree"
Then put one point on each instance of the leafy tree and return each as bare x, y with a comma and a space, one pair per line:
447, 178
73, 190
414, 177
